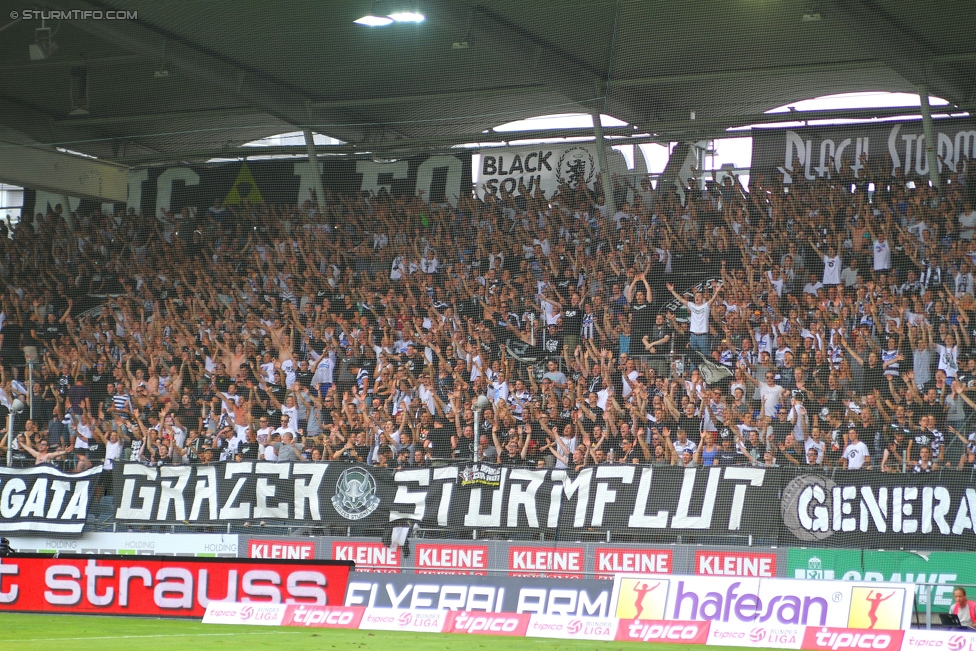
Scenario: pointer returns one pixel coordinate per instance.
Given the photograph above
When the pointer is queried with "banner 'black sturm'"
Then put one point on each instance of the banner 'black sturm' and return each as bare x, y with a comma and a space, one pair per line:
808, 155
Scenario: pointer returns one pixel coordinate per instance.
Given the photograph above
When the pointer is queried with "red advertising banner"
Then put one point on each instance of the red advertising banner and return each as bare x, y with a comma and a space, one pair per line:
452, 559
673, 632
612, 560
850, 639
164, 587
323, 616
480, 623
289, 550
735, 563
368, 556
546, 562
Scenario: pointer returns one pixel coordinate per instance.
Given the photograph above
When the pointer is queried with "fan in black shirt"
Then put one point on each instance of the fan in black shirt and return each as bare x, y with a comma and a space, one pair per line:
356, 450
249, 450
727, 456
572, 319
640, 308
439, 435
303, 374
690, 422
98, 379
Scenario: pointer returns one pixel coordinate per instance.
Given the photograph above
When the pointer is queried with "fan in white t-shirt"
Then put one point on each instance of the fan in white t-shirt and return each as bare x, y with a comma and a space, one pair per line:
832, 264
882, 253
967, 221
856, 454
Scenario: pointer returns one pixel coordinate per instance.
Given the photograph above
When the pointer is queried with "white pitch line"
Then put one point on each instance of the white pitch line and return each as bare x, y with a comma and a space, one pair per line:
130, 637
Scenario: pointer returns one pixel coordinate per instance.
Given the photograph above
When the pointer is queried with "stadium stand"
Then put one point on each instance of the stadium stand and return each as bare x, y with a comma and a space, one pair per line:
832, 327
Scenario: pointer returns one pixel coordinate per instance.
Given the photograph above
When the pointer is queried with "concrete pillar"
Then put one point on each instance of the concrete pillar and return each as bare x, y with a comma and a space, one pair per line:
314, 162
930, 138
601, 152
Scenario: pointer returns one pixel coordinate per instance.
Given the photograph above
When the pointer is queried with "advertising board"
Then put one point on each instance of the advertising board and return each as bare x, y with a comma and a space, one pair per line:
564, 627
203, 545
170, 587
772, 602
451, 559
945, 568
287, 549
569, 597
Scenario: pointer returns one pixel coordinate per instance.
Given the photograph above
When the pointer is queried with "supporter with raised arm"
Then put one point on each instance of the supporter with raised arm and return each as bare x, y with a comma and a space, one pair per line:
699, 311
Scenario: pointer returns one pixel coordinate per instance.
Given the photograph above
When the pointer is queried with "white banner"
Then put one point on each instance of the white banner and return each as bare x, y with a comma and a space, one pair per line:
148, 544
402, 619
564, 627
952, 640
763, 601
769, 637
251, 614
523, 170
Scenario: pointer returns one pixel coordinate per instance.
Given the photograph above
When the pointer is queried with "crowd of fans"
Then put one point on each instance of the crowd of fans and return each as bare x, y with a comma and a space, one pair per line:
829, 324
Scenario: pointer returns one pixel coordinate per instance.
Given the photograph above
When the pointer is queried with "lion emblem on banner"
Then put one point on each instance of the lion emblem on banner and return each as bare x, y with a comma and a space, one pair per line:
575, 166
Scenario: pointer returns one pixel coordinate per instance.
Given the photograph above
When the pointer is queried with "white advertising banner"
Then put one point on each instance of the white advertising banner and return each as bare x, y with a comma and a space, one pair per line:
148, 544
250, 614
525, 170
563, 627
952, 640
763, 601
768, 637
403, 619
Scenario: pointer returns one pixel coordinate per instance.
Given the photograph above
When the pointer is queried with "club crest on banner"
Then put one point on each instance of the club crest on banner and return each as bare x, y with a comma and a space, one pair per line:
355, 496
575, 166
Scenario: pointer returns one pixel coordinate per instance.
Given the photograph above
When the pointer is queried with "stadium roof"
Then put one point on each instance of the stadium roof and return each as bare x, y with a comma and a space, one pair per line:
195, 80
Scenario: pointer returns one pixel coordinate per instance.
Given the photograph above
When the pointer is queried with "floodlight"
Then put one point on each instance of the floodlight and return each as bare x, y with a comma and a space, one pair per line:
374, 21
408, 17
387, 12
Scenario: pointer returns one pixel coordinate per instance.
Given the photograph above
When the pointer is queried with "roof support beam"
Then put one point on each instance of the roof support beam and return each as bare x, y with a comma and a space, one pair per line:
748, 73
252, 110
154, 117
62, 173
71, 63
465, 95
404, 146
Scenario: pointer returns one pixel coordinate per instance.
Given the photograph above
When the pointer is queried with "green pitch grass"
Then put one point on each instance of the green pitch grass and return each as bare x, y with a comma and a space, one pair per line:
86, 633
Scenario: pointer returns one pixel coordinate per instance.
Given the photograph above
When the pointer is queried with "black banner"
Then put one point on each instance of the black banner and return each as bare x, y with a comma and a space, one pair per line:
617, 498
835, 509
877, 510
807, 155
435, 178
44, 499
